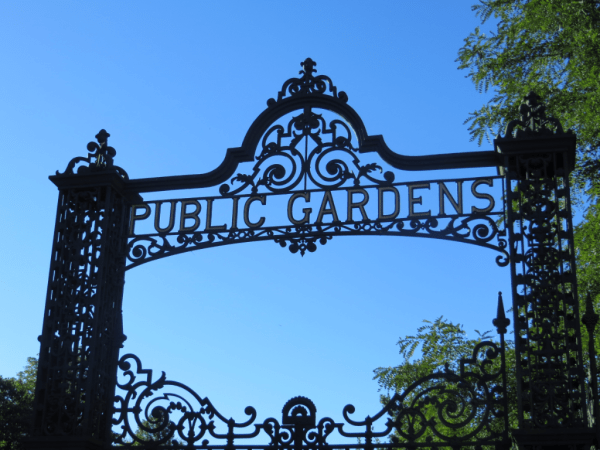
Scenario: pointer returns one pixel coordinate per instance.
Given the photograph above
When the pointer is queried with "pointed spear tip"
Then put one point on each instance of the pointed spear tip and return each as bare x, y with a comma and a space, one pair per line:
501, 322
589, 305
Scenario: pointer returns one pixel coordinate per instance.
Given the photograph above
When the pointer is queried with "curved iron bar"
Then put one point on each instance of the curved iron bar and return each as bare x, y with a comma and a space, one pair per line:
454, 409
198, 420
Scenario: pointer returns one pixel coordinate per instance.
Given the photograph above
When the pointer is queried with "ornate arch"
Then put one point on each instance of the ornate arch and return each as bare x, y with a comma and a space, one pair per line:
310, 108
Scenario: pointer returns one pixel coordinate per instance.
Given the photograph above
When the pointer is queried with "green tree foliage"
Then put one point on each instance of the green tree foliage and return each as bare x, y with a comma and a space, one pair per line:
551, 47
438, 346
587, 237
16, 406
28, 376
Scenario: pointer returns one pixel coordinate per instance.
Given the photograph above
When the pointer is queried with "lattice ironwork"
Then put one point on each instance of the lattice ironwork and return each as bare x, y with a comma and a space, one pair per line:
443, 409
546, 309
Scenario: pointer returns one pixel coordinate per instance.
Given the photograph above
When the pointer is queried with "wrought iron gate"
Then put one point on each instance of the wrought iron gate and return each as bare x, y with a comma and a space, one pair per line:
312, 149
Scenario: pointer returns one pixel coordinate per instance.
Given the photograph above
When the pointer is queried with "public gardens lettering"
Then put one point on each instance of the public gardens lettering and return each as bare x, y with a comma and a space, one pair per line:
349, 205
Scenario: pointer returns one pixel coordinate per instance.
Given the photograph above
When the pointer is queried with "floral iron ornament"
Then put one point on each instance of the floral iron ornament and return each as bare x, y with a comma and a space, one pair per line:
533, 120
100, 159
308, 84
284, 162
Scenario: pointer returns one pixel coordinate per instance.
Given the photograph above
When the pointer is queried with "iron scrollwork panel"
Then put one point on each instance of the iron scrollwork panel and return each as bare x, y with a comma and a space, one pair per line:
478, 230
447, 408
308, 148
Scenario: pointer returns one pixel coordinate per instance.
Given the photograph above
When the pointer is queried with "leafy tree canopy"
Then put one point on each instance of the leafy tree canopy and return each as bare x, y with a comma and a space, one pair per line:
439, 342
28, 376
587, 237
551, 47
16, 406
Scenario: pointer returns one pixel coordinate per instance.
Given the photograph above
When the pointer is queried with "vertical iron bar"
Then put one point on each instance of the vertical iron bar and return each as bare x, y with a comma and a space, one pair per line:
590, 320
501, 323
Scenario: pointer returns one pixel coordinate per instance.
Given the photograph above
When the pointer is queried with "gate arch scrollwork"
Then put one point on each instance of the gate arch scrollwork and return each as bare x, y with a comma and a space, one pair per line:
462, 408
317, 165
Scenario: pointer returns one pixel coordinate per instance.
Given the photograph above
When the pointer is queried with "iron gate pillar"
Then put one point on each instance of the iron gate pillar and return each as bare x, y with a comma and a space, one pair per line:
536, 162
82, 328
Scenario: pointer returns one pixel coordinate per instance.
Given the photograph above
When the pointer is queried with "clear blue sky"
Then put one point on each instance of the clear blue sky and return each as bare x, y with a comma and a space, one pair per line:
176, 84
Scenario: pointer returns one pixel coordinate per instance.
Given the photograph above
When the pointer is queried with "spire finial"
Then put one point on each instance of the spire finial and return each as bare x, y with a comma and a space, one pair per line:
308, 67
99, 159
501, 322
590, 318
533, 121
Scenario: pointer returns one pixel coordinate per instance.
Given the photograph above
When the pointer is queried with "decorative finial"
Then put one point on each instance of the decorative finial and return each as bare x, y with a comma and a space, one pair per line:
501, 322
102, 137
309, 67
100, 158
308, 84
533, 114
590, 318
103, 153
533, 120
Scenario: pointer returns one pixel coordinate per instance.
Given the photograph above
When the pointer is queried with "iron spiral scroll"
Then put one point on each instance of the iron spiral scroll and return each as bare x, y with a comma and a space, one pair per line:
447, 408
282, 164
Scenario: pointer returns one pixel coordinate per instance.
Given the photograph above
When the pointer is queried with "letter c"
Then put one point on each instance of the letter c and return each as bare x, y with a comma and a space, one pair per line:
263, 201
